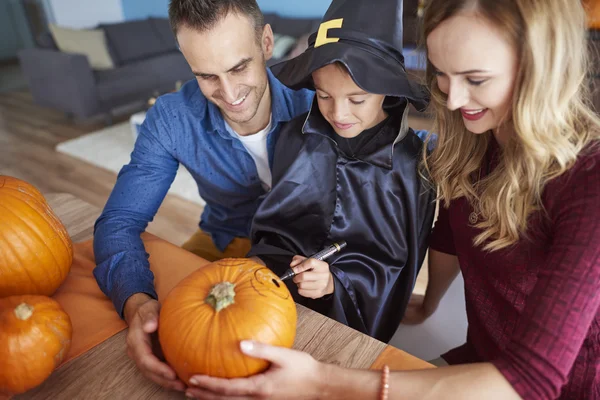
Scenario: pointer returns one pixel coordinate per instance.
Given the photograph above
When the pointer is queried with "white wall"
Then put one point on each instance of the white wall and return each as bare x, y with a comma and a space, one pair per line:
85, 13
443, 331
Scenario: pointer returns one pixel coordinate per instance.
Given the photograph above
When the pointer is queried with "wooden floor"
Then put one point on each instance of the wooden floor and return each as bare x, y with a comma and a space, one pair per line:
28, 136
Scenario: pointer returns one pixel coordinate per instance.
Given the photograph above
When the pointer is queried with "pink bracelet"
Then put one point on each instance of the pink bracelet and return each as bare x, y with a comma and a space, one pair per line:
385, 383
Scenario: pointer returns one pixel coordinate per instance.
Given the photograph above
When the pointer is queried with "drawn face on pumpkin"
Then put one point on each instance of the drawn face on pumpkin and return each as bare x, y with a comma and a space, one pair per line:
266, 281
261, 279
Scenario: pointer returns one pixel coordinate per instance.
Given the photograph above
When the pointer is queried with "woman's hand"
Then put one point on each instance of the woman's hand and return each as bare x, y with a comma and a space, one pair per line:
293, 375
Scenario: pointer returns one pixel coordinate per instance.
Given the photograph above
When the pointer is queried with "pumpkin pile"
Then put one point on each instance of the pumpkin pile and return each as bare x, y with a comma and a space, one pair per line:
36, 254
204, 318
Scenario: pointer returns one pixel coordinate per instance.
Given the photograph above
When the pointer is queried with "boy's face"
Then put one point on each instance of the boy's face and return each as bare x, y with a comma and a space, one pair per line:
348, 109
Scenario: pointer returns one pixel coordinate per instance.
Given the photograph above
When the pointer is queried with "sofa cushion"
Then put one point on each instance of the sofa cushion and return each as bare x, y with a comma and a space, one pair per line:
46, 41
143, 77
89, 42
133, 40
165, 33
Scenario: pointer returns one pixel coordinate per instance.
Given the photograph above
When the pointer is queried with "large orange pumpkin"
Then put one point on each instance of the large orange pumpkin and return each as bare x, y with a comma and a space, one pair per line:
34, 339
204, 318
36, 252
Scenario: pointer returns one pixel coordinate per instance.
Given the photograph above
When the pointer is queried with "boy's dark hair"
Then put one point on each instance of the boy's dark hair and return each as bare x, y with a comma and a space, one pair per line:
202, 15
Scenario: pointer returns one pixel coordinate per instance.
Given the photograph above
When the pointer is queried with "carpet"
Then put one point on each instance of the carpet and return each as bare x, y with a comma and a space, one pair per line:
110, 149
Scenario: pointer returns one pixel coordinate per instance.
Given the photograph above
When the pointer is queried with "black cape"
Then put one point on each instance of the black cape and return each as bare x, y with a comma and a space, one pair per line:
376, 201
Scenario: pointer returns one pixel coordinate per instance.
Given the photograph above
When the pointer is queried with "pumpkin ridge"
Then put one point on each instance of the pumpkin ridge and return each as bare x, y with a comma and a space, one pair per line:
8, 192
39, 237
35, 204
22, 187
44, 213
58, 226
59, 229
184, 338
233, 325
33, 281
208, 362
52, 324
266, 323
21, 261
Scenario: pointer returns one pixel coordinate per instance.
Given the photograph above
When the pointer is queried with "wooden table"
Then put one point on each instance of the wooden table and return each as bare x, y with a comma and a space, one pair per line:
106, 372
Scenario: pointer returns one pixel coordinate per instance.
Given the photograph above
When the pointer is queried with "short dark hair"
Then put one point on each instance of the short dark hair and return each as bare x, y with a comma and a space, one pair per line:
202, 15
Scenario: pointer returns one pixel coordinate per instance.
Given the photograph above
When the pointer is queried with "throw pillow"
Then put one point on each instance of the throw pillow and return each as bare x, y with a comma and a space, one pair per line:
89, 42
283, 44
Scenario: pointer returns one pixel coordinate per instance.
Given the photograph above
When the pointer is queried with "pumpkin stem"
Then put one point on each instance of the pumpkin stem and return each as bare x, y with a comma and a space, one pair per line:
23, 311
221, 296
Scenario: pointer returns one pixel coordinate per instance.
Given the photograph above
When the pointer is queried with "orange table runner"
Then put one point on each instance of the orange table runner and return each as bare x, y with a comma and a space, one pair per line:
92, 314
399, 360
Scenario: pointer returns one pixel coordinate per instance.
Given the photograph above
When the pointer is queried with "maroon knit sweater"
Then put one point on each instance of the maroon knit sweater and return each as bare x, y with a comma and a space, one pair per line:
533, 308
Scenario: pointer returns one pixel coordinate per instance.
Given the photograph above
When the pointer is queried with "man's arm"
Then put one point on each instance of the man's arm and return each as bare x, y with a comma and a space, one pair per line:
122, 262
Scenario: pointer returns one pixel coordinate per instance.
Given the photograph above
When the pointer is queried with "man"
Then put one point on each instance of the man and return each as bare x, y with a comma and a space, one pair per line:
223, 128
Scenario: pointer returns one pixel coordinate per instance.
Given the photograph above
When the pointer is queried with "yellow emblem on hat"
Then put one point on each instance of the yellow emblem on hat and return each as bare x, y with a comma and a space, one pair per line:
322, 37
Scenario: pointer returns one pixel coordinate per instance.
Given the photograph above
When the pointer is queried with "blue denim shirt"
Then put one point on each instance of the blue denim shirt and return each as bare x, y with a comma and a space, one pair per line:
182, 128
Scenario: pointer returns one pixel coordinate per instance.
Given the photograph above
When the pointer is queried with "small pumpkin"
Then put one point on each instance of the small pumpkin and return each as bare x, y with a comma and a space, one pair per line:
34, 339
205, 316
36, 251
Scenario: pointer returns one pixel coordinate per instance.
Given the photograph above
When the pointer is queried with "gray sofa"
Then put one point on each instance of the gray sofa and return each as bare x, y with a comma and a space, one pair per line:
147, 61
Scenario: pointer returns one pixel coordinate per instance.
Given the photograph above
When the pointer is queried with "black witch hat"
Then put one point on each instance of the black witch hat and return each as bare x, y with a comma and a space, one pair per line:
365, 36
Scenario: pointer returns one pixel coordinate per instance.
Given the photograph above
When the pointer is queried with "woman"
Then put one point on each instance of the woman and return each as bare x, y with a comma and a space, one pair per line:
348, 170
517, 166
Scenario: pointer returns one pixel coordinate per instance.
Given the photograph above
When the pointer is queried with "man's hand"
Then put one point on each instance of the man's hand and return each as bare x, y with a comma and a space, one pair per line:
316, 282
292, 375
141, 313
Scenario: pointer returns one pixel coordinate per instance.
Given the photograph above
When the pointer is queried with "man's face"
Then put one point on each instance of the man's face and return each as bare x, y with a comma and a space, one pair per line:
229, 63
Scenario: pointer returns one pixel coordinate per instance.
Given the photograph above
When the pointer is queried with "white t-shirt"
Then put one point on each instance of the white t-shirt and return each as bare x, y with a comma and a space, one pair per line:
256, 145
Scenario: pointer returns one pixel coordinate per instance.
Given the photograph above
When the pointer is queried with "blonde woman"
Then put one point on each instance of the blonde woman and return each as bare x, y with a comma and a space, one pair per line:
517, 166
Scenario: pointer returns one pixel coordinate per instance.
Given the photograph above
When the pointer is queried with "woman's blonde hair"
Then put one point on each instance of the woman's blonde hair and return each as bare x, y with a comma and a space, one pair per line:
551, 115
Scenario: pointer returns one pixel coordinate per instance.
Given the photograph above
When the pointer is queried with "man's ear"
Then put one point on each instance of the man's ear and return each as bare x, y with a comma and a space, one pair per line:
267, 42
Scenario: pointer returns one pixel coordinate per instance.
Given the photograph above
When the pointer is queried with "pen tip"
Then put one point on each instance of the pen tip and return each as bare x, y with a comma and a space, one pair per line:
287, 275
